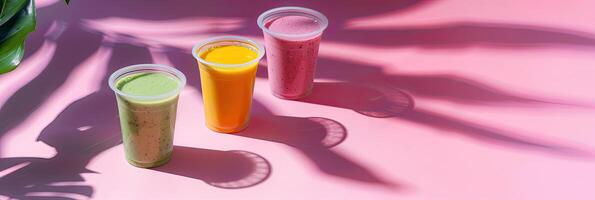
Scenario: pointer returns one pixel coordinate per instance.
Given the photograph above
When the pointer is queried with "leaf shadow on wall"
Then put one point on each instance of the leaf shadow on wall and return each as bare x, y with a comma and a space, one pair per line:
439, 86
28, 98
374, 94
38, 174
465, 34
84, 129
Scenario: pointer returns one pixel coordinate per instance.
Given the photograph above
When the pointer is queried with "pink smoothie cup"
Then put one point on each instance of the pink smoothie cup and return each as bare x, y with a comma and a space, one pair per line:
292, 36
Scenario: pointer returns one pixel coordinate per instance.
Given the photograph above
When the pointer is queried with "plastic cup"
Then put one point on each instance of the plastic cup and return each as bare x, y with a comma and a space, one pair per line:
147, 121
291, 57
227, 88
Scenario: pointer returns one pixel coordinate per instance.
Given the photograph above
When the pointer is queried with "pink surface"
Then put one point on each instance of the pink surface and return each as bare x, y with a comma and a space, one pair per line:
413, 100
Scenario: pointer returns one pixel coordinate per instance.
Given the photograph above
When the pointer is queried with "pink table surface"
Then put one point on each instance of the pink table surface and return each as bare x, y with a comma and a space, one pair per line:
443, 99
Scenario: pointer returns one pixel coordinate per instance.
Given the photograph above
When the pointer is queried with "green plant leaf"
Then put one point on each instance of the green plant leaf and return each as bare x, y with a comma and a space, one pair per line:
10, 8
2, 5
67, 1
16, 24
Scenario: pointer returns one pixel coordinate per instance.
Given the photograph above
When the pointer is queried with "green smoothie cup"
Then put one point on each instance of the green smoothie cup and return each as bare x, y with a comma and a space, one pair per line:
147, 96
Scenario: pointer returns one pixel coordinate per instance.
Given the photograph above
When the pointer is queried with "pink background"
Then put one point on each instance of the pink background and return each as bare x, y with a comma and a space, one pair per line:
413, 99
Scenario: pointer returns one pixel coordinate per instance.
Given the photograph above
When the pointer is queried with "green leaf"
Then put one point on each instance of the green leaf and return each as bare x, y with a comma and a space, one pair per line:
14, 29
2, 6
67, 1
10, 8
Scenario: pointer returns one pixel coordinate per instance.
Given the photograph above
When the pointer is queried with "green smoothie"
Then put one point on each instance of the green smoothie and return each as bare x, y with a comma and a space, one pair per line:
147, 111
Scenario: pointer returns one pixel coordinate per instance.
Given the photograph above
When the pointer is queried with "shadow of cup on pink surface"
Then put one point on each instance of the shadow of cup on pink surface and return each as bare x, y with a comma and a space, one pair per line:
223, 169
366, 100
313, 137
383, 102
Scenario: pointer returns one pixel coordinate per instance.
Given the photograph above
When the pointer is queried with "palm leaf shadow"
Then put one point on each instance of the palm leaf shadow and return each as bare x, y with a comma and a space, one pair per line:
376, 102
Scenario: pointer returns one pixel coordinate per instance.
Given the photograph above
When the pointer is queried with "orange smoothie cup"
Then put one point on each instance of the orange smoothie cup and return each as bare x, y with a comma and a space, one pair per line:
227, 68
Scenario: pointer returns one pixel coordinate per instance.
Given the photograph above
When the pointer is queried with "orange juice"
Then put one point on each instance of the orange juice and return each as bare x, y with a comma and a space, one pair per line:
227, 71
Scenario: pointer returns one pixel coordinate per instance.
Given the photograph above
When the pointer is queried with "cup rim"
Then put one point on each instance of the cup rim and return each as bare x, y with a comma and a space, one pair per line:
293, 10
217, 39
155, 67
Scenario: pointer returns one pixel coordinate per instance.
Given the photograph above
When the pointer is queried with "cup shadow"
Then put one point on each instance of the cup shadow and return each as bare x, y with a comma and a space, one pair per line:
379, 102
313, 137
223, 169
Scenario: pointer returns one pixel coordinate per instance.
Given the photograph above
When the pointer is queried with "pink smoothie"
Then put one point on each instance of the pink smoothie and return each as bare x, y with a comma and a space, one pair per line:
291, 62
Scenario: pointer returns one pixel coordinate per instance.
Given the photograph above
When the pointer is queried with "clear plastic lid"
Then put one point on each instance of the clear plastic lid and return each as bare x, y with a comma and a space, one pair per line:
147, 68
215, 42
277, 13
